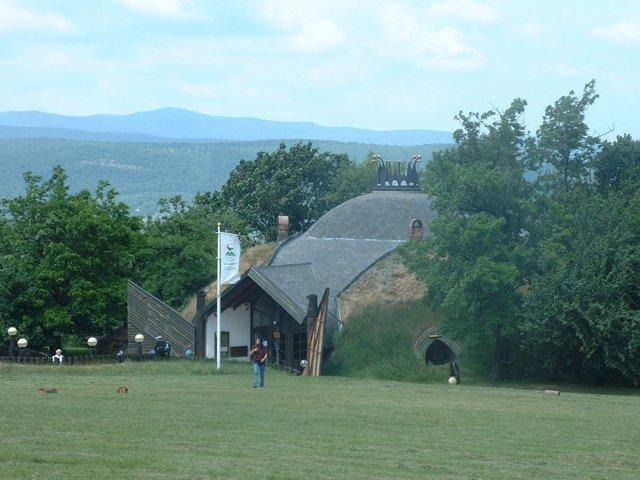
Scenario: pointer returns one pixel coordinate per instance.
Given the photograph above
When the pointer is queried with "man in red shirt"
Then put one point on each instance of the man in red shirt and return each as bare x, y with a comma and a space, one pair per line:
258, 357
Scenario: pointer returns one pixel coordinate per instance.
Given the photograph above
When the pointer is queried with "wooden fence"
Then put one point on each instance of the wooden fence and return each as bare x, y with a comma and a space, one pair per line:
76, 359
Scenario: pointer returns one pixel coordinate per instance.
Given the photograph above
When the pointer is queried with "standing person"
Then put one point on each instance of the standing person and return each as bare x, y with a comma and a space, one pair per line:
258, 357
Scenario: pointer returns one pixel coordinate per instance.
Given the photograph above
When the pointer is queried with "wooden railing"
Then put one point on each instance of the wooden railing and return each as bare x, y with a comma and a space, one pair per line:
76, 359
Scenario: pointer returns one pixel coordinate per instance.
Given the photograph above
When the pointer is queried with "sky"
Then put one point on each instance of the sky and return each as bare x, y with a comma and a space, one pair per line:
372, 64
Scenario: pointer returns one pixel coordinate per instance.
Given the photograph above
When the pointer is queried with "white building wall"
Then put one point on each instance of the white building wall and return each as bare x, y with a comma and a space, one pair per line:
237, 322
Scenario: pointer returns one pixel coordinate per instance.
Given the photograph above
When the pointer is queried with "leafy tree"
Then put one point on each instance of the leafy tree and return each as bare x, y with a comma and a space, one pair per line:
178, 255
475, 262
563, 141
352, 179
541, 269
299, 182
64, 259
617, 167
581, 316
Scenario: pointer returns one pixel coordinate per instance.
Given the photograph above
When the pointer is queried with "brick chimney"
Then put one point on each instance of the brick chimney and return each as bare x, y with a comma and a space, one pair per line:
283, 227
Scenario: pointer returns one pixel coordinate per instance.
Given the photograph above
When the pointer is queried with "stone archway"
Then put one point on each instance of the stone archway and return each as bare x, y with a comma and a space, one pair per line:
439, 353
433, 348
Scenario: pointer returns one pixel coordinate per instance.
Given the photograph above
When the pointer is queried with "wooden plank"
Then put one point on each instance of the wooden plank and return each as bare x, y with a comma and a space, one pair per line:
315, 342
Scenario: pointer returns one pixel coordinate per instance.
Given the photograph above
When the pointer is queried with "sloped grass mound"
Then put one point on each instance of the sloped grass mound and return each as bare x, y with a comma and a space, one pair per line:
377, 342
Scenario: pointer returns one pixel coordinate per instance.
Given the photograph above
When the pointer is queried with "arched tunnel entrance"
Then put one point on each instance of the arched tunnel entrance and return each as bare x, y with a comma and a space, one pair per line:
435, 349
439, 353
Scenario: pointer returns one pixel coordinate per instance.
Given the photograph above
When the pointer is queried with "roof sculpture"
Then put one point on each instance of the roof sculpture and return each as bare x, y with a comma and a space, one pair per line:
398, 176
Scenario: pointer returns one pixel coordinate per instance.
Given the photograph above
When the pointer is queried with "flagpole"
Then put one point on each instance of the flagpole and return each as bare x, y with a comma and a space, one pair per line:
218, 313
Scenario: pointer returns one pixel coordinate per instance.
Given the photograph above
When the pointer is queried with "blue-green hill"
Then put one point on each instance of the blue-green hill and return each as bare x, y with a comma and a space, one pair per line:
144, 172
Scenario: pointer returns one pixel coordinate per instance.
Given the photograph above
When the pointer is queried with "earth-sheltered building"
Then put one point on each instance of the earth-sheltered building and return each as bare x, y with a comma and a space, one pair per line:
275, 301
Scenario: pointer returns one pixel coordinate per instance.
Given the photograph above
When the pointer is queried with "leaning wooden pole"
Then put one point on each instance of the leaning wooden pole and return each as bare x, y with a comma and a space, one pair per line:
315, 343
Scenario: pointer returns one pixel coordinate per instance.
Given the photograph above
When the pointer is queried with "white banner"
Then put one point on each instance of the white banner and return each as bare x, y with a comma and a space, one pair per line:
229, 258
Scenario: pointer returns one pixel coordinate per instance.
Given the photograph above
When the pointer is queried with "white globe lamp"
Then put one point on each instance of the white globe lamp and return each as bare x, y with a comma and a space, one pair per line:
453, 380
12, 331
22, 343
92, 341
139, 338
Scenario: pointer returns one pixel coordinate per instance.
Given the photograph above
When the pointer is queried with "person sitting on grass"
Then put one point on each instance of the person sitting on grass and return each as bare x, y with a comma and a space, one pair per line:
258, 357
57, 358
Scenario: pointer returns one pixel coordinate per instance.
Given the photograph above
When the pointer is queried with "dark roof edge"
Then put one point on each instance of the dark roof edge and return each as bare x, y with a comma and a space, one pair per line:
278, 295
272, 290
280, 244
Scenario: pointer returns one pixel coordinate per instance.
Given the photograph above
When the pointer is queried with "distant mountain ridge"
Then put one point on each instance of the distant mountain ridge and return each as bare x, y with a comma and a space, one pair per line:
171, 124
8, 132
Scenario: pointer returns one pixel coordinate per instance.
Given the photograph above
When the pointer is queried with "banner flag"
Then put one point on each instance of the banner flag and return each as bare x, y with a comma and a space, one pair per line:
229, 258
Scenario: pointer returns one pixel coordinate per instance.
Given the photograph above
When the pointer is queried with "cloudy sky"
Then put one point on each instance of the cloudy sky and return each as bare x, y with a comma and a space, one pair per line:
374, 64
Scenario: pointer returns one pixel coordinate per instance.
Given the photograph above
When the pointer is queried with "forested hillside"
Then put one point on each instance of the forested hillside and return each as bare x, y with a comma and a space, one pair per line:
143, 173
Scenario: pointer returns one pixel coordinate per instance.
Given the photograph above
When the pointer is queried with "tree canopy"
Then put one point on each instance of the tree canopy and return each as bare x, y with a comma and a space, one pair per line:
533, 258
300, 182
64, 259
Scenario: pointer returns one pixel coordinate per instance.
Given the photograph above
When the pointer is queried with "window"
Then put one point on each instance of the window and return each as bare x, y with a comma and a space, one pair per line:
299, 348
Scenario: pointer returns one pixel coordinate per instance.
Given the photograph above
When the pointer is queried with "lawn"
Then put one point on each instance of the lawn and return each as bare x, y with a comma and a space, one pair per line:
184, 421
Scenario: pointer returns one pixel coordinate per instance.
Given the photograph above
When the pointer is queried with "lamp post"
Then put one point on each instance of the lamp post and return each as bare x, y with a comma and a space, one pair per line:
22, 344
12, 332
92, 342
139, 338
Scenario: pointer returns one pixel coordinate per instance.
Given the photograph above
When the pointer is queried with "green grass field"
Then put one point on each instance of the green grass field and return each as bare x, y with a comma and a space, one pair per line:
183, 421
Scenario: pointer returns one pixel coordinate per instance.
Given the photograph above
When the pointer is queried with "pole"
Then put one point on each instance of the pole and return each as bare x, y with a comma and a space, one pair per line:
218, 313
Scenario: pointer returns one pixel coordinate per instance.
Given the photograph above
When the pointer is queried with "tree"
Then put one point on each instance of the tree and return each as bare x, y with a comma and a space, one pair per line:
178, 254
617, 167
298, 182
581, 316
563, 141
475, 261
64, 259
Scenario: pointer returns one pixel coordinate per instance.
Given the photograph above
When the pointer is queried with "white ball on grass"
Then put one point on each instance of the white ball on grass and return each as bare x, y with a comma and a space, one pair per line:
452, 380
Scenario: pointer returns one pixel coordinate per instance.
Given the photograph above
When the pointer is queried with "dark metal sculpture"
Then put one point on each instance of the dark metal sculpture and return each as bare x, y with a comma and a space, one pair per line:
397, 176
